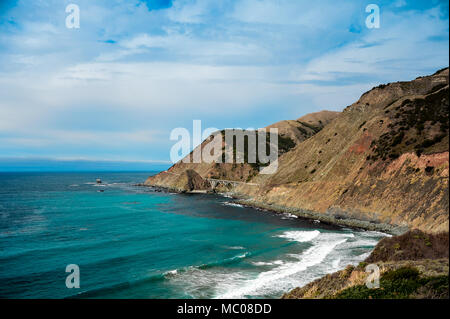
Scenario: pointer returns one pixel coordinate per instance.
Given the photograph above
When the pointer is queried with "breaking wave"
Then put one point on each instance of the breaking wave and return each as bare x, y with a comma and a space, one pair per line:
267, 280
299, 235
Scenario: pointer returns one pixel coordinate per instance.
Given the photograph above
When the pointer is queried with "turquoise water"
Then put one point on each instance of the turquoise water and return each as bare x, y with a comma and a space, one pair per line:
134, 242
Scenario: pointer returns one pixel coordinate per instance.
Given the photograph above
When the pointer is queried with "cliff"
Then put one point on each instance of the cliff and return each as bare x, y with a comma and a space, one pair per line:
413, 265
291, 133
383, 160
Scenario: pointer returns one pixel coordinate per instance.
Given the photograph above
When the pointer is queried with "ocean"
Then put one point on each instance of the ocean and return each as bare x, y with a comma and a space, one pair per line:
134, 242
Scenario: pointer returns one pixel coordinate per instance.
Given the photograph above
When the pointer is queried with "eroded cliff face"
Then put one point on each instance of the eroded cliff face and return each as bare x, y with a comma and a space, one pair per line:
384, 159
291, 133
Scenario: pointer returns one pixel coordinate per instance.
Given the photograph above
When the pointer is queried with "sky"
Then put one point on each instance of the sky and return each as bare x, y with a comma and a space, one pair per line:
114, 88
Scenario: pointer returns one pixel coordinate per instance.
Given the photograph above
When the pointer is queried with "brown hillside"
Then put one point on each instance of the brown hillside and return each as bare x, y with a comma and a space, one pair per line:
290, 132
415, 260
384, 159
304, 127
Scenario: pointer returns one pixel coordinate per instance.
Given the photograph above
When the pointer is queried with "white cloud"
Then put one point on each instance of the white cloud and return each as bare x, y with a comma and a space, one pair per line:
186, 47
191, 11
198, 58
300, 13
84, 138
399, 48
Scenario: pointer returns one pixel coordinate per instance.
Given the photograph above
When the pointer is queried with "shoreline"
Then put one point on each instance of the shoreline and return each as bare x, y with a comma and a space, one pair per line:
354, 223
325, 218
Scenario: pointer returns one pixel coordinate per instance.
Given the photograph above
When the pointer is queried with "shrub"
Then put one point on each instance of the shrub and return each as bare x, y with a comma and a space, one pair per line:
399, 284
411, 246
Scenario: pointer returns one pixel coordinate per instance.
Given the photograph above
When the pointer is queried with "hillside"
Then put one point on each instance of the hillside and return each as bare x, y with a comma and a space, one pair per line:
413, 265
305, 126
291, 133
383, 160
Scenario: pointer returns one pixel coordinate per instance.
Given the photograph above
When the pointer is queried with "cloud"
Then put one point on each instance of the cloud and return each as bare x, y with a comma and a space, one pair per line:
401, 46
191, 11
86, 138
137, 69
186, 48
302, 13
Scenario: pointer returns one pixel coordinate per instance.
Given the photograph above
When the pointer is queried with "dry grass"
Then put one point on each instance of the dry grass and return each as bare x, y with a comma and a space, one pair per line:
413, 245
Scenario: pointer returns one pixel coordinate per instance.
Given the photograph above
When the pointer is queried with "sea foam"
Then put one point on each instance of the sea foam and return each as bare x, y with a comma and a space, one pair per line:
299, 235
266, 280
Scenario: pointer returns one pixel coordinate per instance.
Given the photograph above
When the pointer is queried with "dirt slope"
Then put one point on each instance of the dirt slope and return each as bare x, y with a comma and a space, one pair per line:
384, 159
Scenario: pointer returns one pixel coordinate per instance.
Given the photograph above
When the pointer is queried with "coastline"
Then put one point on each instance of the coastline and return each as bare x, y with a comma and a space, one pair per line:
343, 281
394, 230
326, 218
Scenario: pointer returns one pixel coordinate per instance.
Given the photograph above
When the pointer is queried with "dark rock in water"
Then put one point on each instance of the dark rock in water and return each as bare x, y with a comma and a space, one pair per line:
99, 181
190, 180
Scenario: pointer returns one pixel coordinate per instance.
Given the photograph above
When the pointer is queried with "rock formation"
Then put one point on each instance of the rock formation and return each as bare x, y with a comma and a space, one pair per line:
413, 265
384, 159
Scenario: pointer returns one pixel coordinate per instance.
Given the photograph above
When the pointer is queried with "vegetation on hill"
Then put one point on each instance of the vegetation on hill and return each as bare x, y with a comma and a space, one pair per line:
419, 125
413, 245
285, 144
402, 283
412, 265
361, 164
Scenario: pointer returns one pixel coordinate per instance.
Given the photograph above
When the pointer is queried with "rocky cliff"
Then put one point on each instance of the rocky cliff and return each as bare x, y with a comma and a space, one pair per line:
291, 133
383, 160
413, 265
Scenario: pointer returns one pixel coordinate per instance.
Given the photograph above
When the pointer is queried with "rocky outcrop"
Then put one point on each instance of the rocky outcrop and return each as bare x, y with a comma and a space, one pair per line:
291, 133
413, 265
187, 181
383, 160
430, 281
305, 126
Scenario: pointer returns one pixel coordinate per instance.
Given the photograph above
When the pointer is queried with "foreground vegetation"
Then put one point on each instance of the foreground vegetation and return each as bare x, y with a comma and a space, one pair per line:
403, 283
412, 265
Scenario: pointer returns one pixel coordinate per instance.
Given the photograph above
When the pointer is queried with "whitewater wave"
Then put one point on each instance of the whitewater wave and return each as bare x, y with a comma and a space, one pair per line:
364, 256
373, 233
106, 184
270, 263
335, 263
219, 263
300, 235
170, 273
360, 243
289, 216
265, 280
232, 204
270, 278
234, 247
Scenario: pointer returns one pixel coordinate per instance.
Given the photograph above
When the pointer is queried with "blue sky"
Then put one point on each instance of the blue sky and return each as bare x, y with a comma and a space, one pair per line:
114, 88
